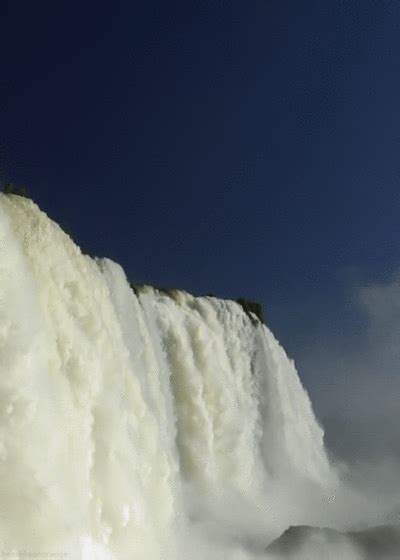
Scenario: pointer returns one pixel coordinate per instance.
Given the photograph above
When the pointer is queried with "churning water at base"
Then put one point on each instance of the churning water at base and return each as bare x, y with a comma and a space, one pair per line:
142, 425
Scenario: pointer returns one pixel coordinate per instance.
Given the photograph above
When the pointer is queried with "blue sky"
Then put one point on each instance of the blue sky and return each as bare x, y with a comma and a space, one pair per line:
241, 148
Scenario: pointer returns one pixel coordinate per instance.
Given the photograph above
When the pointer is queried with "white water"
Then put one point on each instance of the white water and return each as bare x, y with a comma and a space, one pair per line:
149, 427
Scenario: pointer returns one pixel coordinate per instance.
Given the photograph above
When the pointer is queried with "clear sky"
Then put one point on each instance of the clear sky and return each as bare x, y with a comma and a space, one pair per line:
241, 148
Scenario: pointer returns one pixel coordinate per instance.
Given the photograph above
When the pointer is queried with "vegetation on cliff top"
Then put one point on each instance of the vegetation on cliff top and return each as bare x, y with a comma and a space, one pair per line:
250, 307
253, 309
10, 188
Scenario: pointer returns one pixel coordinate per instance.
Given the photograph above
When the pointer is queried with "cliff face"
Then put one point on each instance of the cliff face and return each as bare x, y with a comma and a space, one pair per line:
132, 420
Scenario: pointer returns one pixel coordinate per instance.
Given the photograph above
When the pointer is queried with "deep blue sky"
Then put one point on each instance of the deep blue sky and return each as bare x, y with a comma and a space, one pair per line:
241, 148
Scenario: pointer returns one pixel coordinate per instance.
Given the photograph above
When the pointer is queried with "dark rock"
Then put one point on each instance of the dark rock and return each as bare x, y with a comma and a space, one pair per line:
376, 543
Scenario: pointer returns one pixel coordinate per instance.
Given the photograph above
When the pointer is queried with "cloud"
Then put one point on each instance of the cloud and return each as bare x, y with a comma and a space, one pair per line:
354, 381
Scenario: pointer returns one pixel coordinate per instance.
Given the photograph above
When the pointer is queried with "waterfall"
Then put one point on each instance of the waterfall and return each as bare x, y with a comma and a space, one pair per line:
140, 424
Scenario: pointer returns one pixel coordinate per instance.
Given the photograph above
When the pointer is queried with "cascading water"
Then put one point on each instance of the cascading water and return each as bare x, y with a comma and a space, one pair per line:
140, 425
